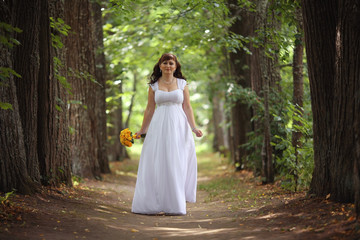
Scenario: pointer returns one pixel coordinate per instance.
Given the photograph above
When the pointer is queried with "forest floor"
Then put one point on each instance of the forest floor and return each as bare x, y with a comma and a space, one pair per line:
230, 205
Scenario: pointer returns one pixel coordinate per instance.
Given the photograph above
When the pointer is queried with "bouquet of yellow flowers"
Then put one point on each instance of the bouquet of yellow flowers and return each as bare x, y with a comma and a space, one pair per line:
126, 137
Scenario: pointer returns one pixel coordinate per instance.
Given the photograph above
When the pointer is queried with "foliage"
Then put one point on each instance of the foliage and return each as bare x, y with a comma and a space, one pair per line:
135, 37
7, 40
76, 180
6, 197
279, 41
296, 164
137, 32
59, 28
7, 31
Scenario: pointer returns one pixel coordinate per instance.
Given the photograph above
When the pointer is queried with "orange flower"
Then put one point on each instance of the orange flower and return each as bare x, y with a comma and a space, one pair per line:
126, 137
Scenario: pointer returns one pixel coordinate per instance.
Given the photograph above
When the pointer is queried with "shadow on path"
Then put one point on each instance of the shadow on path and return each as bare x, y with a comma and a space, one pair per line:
102, 210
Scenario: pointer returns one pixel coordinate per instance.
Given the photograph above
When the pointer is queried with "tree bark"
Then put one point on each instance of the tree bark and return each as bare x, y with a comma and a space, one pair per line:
320, 35
268, 168
347, 72
53, 131
220, 143
264, 77
257, 68
100, 74
332, 37
117, 152
80, 59
127, 122
239, 70
298, 85
13, 170
26, 63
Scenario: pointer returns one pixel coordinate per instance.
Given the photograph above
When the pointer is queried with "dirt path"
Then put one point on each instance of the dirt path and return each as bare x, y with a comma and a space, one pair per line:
101, 210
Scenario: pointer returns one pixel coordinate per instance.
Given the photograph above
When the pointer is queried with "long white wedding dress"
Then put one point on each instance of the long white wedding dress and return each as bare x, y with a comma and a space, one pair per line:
167, 174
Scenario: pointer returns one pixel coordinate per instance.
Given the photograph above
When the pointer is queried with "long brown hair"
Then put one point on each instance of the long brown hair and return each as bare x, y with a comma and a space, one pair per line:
156, 72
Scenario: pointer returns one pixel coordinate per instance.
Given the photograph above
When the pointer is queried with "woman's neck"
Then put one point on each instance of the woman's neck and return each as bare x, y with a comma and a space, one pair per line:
167, 77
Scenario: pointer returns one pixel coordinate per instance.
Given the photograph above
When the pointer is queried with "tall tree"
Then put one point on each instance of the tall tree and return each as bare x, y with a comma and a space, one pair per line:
100, 75
52, 114
332, 37
271, 83
80, 59
298, 86
240, 73
220, 143
257, 68
27, 64
13, 168
320, 45
264, 76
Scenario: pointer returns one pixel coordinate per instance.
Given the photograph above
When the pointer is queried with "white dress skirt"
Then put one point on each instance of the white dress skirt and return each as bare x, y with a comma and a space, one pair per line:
167, 174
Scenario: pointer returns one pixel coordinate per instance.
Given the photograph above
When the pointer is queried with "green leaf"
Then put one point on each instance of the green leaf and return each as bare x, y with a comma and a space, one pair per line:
6, 106
58, 108
71, 130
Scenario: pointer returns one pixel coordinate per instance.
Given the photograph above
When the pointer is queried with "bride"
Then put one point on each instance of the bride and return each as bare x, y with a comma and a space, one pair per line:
167, 174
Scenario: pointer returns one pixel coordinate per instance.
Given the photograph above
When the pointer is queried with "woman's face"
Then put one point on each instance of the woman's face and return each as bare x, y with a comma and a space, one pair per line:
168, 66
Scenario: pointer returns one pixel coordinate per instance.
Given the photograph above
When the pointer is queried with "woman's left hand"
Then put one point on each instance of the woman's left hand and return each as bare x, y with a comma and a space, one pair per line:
198, 132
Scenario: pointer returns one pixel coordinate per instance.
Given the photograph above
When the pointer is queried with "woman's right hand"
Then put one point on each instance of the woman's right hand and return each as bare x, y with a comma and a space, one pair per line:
138, 135
198, 132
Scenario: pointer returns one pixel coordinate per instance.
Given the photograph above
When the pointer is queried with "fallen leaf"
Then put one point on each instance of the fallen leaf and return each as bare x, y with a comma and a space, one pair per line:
134, 230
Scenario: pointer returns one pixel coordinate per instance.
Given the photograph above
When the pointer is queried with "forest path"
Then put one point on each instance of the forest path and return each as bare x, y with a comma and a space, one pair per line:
229, 206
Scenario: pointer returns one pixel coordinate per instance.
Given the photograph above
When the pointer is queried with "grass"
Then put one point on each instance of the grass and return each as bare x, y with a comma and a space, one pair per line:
218, 178
239, 189
223, 184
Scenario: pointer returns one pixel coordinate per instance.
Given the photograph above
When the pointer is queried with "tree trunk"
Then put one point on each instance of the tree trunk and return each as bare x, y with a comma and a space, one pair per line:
116, 151
347, 70
264, 77
100, 73
26, 63
257, 68
220, 143
268, 168
127, 122
298, 85
80, 59
239, 70
53, 123
320, 35
13, 170
332, 38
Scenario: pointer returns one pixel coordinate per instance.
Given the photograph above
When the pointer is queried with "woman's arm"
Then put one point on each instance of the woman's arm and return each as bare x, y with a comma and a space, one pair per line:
189, 112
149, 112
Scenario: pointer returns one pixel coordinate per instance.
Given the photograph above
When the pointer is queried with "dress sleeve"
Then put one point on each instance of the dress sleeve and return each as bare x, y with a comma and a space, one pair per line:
154, 86
182, 84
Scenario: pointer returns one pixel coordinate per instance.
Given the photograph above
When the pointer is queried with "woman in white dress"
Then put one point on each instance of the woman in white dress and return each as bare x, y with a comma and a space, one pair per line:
167, 172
